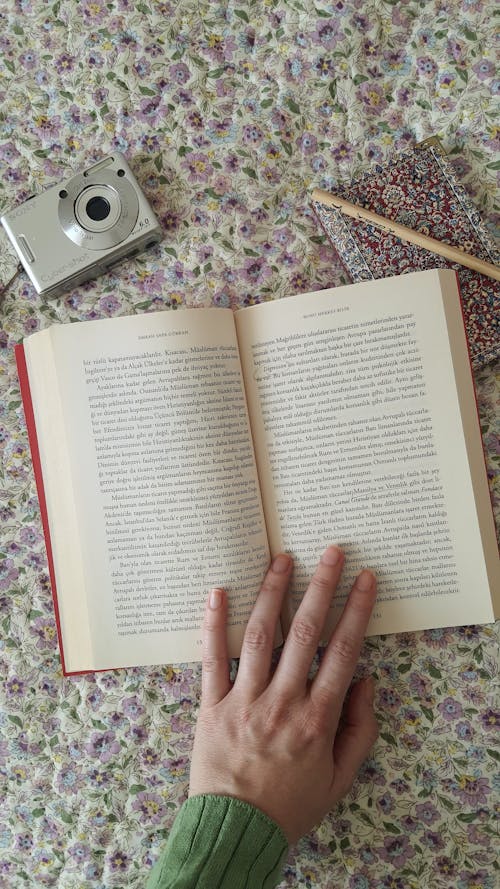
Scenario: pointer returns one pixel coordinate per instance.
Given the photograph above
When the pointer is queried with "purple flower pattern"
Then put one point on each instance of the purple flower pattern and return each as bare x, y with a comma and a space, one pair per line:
229, 114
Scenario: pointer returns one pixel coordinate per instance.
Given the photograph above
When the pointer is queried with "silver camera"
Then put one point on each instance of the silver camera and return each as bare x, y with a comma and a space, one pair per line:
81, 228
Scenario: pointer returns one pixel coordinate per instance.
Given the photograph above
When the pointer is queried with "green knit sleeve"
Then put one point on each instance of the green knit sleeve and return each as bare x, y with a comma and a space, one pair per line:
219, 842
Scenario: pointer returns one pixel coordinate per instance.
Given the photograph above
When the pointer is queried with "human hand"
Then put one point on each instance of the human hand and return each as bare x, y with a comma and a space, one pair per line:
274, 741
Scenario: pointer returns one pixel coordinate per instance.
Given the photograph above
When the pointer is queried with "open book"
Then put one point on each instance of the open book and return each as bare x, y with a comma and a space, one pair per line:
178, 451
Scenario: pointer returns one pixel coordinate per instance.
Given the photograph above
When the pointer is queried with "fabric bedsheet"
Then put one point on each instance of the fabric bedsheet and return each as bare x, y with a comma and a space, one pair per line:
230, 113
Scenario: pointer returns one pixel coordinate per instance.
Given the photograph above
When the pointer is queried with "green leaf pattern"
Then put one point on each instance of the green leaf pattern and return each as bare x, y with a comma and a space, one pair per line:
230, 113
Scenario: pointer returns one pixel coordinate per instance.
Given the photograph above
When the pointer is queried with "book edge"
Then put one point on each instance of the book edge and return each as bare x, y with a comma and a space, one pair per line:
22, 371
481, 508
25, 388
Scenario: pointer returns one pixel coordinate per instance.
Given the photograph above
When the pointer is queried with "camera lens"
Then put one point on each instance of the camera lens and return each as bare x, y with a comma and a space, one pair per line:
98, 208
100, 211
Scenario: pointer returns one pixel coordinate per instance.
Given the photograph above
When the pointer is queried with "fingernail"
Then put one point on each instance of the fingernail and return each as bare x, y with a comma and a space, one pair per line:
215, 599
281, 564
331, 555
365, 581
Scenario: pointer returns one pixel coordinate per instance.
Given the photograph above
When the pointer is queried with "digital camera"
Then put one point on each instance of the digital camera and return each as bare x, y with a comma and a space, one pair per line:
81, 228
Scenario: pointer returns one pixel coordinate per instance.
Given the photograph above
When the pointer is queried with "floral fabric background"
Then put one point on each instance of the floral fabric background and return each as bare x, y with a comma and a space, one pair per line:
229, 113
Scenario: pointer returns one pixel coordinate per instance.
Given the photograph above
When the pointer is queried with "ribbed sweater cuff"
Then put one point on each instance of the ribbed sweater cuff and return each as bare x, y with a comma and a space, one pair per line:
219, 842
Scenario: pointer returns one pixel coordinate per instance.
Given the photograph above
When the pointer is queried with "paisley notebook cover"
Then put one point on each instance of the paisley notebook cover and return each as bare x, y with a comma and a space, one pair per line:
418, 189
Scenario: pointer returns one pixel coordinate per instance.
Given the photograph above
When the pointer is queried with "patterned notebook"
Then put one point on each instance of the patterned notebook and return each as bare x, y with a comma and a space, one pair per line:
418, 189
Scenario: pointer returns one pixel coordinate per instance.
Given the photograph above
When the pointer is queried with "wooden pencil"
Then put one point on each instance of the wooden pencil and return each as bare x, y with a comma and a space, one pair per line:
454, 254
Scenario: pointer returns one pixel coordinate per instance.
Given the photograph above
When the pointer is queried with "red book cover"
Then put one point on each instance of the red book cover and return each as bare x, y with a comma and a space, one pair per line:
29, 414
24, 383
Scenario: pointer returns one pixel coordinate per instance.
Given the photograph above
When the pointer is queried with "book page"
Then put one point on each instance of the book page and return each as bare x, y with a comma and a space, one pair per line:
163, 480
57, 485
359, 441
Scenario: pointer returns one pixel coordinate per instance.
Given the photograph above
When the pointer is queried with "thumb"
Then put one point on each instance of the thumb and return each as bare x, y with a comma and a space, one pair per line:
356, 737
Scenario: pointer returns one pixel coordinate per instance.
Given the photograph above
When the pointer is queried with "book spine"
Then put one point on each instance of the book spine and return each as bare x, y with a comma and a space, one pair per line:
29, 414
